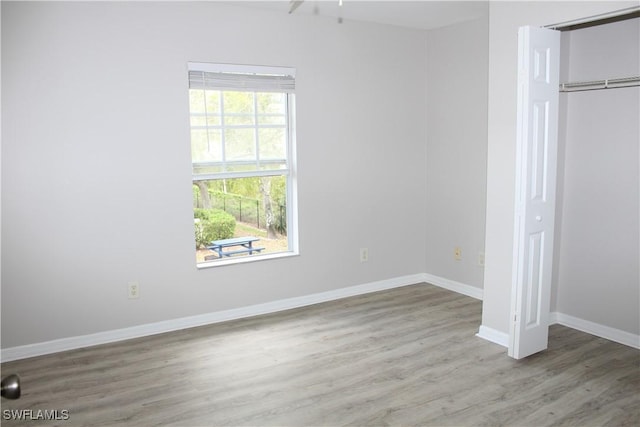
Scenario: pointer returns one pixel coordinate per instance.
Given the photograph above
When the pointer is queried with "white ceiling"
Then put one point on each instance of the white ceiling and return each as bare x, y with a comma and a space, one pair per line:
419, 14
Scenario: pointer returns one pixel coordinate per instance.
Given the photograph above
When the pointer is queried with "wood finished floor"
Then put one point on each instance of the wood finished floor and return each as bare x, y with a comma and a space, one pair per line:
406, 356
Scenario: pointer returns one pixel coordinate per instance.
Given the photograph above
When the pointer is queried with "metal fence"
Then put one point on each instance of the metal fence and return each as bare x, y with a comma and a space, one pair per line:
244, 209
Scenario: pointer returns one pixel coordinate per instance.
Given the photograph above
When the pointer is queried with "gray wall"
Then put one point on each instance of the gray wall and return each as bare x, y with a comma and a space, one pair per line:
597, 233
457, 149
96, 172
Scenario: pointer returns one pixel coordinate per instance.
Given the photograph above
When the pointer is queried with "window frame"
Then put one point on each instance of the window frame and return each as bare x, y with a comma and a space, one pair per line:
289, 172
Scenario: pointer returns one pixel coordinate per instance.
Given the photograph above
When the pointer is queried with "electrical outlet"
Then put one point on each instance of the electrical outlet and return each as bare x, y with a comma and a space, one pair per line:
480, 259
134, 290
364, 254
457, 253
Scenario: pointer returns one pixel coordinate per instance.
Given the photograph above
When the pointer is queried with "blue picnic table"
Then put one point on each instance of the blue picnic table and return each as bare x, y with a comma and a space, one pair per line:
244, 244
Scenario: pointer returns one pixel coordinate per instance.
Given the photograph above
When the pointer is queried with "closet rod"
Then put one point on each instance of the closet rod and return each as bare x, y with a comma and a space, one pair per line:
605, 18
600, 84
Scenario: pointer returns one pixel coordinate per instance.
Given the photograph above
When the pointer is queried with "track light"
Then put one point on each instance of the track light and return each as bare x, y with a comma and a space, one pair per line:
10, 387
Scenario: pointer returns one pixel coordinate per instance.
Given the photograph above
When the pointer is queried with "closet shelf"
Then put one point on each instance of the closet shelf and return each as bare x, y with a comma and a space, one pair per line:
600, 84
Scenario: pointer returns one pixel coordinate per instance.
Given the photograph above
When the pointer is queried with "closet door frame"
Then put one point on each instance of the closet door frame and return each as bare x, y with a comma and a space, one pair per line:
533, 257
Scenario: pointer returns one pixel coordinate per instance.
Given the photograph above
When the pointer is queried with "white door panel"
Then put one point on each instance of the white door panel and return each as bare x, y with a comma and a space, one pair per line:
536, 164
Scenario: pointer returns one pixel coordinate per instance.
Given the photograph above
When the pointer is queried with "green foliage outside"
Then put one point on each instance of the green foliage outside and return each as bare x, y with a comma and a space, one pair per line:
244, 209
246, 187
244, 201
250, 188
212, 224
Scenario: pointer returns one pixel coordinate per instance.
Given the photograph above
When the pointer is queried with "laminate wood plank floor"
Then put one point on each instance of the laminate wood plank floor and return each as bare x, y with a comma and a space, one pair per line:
406, 356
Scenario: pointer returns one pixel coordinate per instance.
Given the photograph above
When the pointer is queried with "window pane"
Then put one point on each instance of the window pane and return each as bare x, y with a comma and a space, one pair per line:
198, 120
238, 108
239, 144
250, 209
206, 145
272, 103
214, 120
273, 143
196, 101
204, 107
213, 101
272, 108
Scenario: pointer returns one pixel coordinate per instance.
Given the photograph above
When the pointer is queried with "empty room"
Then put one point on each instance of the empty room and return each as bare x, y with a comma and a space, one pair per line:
305, 213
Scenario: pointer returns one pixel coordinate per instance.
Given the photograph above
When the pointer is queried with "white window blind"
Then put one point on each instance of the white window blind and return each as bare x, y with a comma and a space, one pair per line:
242, 78
241, 82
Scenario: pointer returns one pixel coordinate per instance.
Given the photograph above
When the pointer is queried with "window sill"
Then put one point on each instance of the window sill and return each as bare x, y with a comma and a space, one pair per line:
245, 259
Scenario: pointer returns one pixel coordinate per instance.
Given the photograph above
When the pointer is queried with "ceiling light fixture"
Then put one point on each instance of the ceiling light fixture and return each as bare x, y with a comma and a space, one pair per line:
294, 4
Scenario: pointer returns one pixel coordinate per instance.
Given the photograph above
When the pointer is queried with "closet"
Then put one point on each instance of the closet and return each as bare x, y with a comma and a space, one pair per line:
596, 273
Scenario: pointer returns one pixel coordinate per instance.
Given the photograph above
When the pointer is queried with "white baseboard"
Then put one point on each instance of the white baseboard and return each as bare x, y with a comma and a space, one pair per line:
452, 285
572, 322
596, 329
493, 336
484, 332
71, 343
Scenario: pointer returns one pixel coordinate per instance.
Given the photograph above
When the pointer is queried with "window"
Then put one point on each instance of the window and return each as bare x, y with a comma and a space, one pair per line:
242, 151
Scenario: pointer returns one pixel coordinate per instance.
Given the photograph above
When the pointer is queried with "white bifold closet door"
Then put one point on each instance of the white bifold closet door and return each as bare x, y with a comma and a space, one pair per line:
536, 166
